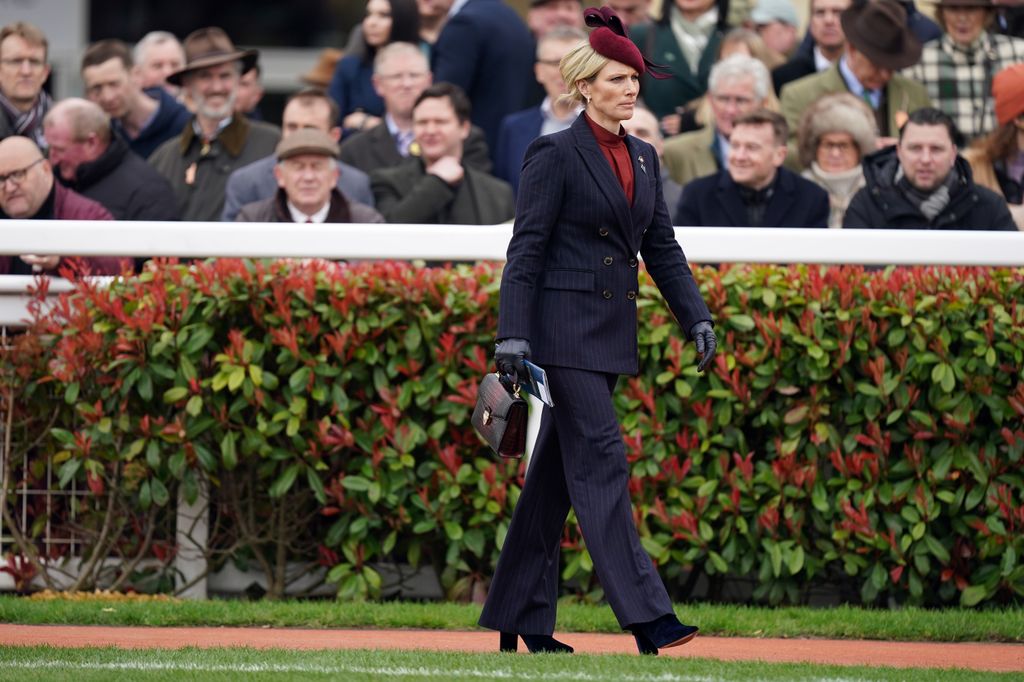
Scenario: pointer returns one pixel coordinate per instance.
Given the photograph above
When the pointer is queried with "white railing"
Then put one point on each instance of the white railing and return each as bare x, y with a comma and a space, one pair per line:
476, 242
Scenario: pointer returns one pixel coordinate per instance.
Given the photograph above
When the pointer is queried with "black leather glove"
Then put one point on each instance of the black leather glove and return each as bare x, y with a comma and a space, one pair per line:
509, 355
703, 334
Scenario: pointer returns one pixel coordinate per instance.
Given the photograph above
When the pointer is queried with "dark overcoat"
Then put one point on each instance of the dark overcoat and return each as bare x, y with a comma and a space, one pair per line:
715, 201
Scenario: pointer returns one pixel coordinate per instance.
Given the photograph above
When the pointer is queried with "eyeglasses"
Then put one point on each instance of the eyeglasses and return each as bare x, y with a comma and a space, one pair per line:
844, 147
17, 176
16, 62
729, 99
398, 77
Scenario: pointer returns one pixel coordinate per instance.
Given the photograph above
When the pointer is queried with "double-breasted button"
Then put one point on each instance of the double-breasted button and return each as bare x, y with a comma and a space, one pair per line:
608, 260
631, 295
606, 293
603, 232
632, 262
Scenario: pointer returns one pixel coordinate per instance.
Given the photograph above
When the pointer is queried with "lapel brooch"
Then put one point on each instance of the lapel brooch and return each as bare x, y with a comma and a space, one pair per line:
640, 159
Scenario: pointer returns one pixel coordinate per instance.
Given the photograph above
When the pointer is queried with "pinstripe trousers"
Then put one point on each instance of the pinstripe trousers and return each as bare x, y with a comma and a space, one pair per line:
579, 460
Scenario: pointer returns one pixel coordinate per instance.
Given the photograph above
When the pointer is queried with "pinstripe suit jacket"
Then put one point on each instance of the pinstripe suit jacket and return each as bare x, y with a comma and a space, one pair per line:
570, 284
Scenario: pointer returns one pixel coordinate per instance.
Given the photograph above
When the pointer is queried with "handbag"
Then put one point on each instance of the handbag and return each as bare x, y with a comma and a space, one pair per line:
500, 416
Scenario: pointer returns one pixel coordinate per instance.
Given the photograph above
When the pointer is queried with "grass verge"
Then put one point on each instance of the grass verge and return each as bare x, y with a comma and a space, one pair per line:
910, 624
84, 665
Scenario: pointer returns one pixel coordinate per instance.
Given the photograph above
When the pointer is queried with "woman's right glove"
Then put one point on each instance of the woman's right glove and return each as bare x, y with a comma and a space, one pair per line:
509, 355
703, 335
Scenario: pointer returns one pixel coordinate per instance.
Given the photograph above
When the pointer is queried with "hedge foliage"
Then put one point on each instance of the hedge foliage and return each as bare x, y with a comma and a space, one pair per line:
860, 429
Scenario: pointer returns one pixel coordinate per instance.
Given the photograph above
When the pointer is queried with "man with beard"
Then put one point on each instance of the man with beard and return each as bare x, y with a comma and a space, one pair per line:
216, 141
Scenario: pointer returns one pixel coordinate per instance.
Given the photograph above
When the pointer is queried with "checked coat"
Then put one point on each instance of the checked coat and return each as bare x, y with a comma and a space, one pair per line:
959, 80
570, 288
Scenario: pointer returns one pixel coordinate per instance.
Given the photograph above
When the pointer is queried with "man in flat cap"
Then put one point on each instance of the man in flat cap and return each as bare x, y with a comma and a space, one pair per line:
216, 141
878, 43
307, 179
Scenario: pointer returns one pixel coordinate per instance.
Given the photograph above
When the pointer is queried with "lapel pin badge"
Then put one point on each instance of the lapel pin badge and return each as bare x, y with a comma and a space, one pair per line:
642, 166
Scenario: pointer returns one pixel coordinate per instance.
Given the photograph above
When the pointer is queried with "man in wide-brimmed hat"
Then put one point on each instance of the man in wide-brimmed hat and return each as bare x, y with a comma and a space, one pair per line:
957, 70
878, 43
216, 141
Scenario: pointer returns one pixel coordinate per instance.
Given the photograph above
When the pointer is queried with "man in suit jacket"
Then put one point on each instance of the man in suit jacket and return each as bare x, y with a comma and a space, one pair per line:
310, 108
737, 86
437, 187
400, 74
878, 43
754, 191
827, 43
487, 50
518, 130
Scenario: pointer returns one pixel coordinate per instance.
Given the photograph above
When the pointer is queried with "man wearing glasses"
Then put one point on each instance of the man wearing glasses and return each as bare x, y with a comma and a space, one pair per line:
28, 191
23, 70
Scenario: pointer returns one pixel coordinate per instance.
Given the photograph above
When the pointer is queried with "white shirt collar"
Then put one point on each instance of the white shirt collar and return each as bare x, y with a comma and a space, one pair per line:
821, 62
318, 217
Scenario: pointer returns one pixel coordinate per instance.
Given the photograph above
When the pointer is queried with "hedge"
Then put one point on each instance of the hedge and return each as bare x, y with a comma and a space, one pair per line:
860, 430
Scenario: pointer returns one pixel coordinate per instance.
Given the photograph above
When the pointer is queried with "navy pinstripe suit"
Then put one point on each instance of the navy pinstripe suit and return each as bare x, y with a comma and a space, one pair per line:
570, 288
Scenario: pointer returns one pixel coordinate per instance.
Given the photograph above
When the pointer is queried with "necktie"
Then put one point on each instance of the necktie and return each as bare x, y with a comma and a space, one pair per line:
866, 95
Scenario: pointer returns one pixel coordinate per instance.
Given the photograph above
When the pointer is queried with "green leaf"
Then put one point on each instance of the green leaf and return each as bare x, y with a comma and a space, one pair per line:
194, 405
67, 471
796, 560
936, 548
743, 323
145, 387
413, 337
63, 436
160, 495
71, 393
298, 380
972, 596
145, 496
356, 483
316, 485
285, 481
453, 531
474, 540
173, 395
228, 453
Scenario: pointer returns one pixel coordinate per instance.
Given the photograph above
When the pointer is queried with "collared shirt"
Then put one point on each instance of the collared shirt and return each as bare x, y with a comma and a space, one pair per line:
300, 217
221, 125
553, 124
821, 62
456, 6
855, 87
722, 149
403, 138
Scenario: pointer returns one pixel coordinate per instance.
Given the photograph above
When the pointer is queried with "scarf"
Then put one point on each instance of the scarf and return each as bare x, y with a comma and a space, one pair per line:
693, 36
28, 123
931, 203
840, 185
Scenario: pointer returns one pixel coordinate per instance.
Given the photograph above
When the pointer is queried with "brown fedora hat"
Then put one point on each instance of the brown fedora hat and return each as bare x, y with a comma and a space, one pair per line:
878, 28
322, 73
211, 46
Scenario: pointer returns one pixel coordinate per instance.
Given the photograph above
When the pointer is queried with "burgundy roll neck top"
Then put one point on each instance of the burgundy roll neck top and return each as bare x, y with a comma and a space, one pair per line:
617, 153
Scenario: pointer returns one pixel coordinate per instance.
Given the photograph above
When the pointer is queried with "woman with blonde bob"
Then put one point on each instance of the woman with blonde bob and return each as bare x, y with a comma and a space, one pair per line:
590, 199
835, 134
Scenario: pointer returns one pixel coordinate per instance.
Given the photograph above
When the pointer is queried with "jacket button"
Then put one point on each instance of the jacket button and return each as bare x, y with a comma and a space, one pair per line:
603, 232
632, 262
631, 295
606, 293
608, 260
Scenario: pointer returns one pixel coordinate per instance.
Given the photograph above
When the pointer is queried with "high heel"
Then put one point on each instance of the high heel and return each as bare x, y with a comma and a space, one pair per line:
643, 645
536, 644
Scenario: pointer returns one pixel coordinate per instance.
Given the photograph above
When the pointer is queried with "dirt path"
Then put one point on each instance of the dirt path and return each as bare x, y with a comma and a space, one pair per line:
975, 656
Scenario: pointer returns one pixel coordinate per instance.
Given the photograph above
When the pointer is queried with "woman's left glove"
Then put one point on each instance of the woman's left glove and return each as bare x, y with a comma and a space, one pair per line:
703, 334
509, 355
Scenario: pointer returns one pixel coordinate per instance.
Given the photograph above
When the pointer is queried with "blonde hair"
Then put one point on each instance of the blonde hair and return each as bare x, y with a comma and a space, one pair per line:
582, 63
839, 112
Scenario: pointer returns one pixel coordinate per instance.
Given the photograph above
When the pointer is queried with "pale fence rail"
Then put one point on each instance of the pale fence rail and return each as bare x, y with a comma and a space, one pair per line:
444, 243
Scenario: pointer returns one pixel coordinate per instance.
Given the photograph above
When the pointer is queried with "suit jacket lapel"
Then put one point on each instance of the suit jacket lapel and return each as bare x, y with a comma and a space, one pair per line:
643, 196
730, 201
601, 170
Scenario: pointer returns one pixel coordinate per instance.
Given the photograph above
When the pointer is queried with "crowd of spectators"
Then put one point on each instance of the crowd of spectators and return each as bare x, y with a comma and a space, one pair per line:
876, 117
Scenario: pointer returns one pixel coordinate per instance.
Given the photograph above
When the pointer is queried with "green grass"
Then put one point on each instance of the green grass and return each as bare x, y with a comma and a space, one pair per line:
953, 625
83, 665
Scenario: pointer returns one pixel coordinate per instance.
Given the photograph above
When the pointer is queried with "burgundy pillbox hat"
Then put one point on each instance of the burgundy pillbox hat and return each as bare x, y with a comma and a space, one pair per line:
609, 39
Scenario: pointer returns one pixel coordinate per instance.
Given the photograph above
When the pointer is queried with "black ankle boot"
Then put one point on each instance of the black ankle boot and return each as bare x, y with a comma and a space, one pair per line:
537, 644
662, 632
